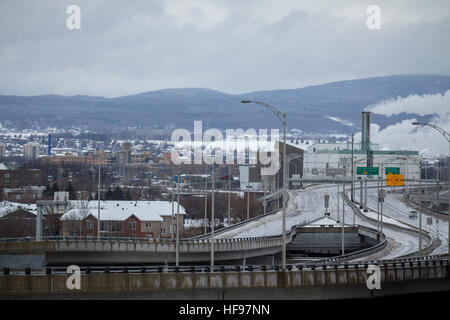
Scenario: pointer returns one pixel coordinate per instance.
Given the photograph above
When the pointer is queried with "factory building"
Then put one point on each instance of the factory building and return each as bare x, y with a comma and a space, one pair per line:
335, 158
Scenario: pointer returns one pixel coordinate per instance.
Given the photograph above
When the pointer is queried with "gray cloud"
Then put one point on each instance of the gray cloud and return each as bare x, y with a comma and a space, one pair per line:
126, 47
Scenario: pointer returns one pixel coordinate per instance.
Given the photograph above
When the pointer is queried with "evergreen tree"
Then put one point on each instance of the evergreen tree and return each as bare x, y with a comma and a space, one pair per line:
117, 194
109, 194
55, 188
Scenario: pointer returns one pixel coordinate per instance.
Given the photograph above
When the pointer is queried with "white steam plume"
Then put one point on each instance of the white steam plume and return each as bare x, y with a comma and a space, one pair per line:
403, 135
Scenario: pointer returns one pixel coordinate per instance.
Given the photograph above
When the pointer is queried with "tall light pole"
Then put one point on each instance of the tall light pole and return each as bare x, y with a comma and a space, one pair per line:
229, 197
282, 117
177, 244
352, 193
419, 165
212, 219
98, 222
447, 137
206, 201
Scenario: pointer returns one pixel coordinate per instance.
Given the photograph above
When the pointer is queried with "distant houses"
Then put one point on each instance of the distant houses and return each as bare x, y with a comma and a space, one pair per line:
130, 219
124, 219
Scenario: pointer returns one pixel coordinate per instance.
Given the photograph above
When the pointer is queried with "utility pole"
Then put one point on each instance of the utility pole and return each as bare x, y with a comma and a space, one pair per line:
212, 219
365, 195
264, 196
338, 201
229, 196
343, 215
98, 222
282, 117
361, 198
284, 193
206, 202
378, 200
177, 244
353, 174
382, 197
173, 211
420, 203
248, 203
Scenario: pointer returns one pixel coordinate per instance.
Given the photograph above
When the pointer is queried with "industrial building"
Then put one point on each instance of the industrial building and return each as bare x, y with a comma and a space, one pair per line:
252, 179
335, 158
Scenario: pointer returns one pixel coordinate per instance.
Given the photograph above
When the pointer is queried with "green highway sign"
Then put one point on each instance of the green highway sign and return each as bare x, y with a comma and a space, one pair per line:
392, 170
367, 171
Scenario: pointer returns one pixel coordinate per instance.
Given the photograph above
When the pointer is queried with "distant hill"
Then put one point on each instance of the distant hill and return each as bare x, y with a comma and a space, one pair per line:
311, 109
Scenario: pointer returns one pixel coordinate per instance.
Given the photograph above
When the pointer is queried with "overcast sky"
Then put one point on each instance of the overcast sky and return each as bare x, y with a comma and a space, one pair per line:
235, 46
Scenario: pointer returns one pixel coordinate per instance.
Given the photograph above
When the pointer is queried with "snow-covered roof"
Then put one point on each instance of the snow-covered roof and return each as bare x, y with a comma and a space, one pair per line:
8, 207
122, 210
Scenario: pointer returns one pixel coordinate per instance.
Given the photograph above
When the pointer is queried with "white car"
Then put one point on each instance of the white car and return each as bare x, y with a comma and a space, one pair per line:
413, 214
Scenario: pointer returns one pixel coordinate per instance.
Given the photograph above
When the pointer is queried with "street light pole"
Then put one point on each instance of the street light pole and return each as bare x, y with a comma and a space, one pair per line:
420, 204
206, 202
282, 117
447, 137
98, 222
177, 244
284, 194
353, 174
229, 197
212, 219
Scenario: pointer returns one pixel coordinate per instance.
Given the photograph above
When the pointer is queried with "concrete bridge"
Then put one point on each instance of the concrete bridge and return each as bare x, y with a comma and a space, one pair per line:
66, 251
339, 281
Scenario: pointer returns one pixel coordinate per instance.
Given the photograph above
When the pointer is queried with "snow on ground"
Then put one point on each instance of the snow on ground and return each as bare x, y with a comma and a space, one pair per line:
308, 205
396, 209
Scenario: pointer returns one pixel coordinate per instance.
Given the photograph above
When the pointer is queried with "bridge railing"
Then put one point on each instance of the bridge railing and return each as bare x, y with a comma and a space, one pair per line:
138, 244
240, 223
430, 261
411, 230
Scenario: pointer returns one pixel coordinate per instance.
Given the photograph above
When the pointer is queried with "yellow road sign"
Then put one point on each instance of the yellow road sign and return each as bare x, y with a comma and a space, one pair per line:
394, 180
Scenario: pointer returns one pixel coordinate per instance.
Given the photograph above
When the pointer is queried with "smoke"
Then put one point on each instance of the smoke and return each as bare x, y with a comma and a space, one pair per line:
403, 135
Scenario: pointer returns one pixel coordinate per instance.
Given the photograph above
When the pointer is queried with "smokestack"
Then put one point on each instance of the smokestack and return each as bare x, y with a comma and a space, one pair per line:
365, 131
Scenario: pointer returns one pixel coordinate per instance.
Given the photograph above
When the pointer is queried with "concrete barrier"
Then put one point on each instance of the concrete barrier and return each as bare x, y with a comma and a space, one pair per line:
181, 284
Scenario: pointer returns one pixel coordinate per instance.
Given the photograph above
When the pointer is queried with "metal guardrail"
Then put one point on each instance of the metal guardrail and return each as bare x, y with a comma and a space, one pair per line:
351, 256
394, 263
425, 208
396, 227
241, 223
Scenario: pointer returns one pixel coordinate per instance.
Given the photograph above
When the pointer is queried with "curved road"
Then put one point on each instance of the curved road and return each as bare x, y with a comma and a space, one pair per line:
307, 205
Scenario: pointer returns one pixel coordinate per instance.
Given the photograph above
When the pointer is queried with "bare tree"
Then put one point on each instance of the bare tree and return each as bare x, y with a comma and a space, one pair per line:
75, 217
